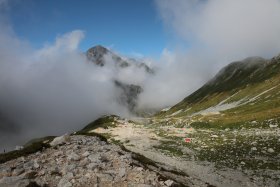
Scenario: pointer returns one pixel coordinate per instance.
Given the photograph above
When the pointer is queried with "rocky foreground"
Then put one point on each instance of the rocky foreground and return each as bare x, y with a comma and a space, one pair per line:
79, 161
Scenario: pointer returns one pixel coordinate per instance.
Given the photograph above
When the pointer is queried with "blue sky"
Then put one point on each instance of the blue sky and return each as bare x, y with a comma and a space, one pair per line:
128, 26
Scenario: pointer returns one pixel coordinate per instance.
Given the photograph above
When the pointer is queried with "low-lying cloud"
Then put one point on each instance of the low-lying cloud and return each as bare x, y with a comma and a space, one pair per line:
52, 90
55, 89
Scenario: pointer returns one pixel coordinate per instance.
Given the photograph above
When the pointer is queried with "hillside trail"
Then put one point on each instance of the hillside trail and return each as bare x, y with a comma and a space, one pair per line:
141, 139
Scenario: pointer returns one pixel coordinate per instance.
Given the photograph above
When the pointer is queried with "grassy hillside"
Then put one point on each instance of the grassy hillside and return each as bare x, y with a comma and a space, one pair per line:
242, 91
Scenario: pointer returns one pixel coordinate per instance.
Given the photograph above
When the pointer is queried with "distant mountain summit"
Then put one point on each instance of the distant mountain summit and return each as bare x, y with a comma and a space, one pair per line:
98, 53
129, 92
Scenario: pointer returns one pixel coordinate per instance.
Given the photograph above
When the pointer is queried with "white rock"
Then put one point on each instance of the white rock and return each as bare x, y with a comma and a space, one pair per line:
64, 183
253, 148
242, 163
139, 169
168, 182
88, 175
60, 140
94, 158
36, 165
92, 166
122, 172
73, 156
85, 154
69, 175
270, 150
214, 136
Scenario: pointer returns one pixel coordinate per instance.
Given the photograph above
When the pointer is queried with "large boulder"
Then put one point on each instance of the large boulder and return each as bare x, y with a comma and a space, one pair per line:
60, 140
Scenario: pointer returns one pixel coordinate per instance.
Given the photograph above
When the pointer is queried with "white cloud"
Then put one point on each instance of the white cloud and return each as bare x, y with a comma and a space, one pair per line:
53, 90
235, 29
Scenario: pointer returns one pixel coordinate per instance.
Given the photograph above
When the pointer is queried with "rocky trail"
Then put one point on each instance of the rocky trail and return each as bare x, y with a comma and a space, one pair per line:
79, 160
144, 139
119, 152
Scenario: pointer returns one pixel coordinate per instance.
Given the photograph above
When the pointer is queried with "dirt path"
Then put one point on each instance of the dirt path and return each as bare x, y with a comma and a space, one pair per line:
139, 139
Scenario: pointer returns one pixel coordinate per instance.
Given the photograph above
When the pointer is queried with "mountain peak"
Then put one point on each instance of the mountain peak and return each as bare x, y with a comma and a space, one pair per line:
96, 54
98, 48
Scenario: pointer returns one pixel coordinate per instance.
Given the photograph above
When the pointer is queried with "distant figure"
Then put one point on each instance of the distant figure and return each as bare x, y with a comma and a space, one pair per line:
4, 150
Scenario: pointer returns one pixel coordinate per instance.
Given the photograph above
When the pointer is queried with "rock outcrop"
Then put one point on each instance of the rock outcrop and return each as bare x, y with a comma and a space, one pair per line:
81, 161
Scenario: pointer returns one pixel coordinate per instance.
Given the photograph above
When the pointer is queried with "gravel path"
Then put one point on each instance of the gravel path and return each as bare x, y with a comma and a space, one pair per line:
79, 161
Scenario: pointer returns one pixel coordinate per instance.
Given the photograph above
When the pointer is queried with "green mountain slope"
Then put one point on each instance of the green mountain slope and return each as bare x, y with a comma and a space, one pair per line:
241, 92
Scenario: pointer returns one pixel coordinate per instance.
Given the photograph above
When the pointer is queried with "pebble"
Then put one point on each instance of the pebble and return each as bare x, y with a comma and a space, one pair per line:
168, 183
73, 156
253, 148
270, 150
60, 140
85, 154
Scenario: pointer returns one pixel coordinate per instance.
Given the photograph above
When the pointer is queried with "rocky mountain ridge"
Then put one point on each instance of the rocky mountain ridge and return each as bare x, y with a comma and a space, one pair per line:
97, 55
79, 160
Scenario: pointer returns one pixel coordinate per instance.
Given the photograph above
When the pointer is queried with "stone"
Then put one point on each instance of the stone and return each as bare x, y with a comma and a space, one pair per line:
36, 165
84, 162
270, 150
94, 158
58, 153
73, 181
30, 174
105, 177
168, 182
76, 147
69, 175
214, 136
64, 183
16, 181
92, 166
53, 170
73, 156
253, 148
85, 154
122, 172
139, 169
28, 165
41, 173
60, 140
17, 172
68, 168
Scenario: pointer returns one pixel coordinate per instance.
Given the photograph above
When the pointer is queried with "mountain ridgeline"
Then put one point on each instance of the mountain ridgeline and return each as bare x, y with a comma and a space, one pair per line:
97, 55
242, 91
129, 92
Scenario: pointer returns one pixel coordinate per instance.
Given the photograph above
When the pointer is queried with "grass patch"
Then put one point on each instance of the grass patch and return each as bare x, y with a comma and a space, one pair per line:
104, 122
29, 148
170, 147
